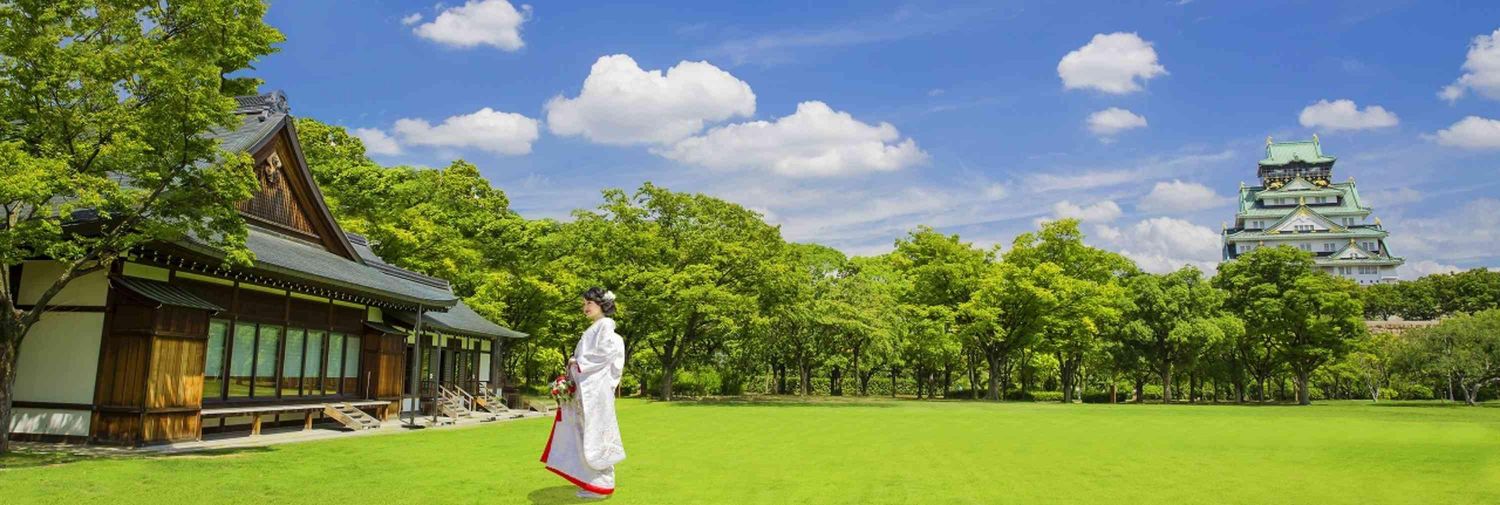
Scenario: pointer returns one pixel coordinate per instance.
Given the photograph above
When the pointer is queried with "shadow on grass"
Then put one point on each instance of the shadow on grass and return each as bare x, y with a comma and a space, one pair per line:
1435, 404
51, 455
772, 401
554, 495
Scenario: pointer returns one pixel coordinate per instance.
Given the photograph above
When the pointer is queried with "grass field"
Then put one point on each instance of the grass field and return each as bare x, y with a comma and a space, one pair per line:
854, 452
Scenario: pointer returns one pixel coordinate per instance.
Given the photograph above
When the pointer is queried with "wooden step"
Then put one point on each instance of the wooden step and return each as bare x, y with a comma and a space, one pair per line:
350, 417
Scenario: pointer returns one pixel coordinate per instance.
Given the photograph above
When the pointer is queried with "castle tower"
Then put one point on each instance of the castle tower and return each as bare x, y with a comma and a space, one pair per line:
1298, 204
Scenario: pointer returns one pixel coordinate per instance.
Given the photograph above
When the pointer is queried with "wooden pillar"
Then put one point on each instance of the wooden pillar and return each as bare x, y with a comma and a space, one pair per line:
307, 420
255, 424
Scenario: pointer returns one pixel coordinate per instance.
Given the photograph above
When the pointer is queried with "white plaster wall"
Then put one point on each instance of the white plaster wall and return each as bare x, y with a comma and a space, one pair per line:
484, 367
50, 422
59, 358
37, 277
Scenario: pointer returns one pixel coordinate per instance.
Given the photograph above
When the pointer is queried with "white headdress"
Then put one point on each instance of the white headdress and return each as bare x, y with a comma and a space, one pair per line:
609, 296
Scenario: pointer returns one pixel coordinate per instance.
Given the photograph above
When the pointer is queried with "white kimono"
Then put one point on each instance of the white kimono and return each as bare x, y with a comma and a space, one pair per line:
585, 441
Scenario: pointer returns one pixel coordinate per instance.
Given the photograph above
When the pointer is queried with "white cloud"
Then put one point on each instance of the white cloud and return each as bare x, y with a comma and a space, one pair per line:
412, 19
1178, 196
815, 141
1101, 212
1150, 168
996, 191
486, 129
1418, 269
377, 142
1114, 120
1116, 63
1472, 132
1481, 70
1164, 244
1465, 234
477, 22
1345, 115
1387, 198
621, 104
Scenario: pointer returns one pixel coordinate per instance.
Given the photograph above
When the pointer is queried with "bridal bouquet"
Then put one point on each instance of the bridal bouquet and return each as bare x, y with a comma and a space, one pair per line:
563, 389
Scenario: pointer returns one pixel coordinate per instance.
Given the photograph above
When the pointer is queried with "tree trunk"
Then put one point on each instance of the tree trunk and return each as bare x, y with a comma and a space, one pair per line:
854, 368
947, 379
668, 372
973, 375
1166, 382
836, 382
893, 381
1304, 393
995, 376
8, 354
1140, 390
805, 372
1112, 398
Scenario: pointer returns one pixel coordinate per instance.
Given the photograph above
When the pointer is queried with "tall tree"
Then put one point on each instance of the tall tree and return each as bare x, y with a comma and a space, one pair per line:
942, 273
1467, 348
1180, 310
104, 146
691, 266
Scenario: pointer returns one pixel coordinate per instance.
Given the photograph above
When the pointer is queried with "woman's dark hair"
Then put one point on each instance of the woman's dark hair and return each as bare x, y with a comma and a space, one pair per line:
602, 297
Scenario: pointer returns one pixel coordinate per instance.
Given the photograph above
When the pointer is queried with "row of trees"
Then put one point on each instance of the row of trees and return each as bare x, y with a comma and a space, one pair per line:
712, 294
1434, 296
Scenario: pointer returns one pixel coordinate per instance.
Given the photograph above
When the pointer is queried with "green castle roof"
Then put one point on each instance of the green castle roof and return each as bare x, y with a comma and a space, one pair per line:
1349, 205
1284, 153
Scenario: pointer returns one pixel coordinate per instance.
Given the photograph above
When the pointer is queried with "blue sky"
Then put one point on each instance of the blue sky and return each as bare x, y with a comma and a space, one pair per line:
849, 125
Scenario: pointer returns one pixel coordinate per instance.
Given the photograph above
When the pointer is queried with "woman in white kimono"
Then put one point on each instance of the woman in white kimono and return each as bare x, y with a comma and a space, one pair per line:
585, 441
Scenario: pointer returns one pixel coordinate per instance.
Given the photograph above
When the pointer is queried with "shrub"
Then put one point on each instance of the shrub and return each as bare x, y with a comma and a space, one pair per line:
1391, 394
1415, 392
1103, 396
1034, 396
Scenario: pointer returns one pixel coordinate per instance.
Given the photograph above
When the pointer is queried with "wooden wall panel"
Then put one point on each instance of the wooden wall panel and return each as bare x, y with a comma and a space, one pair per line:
122, 371
171, 427
261, 306
176, 373
348, 319
116, 428
277, 201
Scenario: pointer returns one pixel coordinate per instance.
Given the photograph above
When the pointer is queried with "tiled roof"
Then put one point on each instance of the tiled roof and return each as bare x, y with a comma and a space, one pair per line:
1284, 153
163, 293
1352, 232
458, 320
1348, 205
294, 257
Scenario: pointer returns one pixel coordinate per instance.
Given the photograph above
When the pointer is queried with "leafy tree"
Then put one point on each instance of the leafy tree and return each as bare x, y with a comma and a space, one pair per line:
104, 146
691, 267
1371, 361
1180, 310
942, 273
1467, 348
1300, 316
1381, 300
1323, 318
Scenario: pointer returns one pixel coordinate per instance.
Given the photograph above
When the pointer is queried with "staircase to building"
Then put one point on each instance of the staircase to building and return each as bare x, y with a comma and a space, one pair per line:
350, 416
486, 400
453, 402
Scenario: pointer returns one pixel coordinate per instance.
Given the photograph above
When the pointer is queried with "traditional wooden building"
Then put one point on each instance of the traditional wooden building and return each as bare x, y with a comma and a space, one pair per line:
171, 342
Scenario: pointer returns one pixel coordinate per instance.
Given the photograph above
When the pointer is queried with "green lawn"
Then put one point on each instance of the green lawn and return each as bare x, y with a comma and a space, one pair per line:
898, 452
